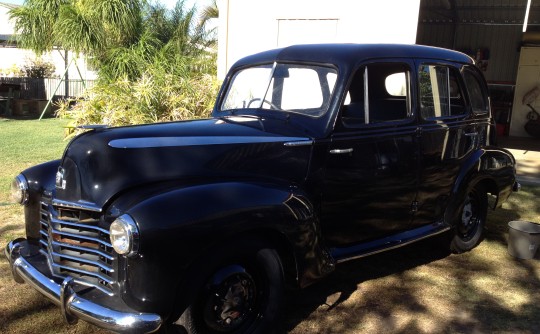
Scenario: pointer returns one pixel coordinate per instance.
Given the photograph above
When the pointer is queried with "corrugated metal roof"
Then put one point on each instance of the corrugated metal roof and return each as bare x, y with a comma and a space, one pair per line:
490, 12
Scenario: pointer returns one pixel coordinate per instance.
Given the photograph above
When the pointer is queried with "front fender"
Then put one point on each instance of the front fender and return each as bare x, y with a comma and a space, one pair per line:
41, 180
181, 226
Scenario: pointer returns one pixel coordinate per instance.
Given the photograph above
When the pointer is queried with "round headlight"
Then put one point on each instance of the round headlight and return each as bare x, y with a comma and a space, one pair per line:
124, 235
19, 189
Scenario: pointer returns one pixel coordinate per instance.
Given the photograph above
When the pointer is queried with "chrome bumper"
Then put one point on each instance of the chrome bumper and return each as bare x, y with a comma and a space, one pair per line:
72, 305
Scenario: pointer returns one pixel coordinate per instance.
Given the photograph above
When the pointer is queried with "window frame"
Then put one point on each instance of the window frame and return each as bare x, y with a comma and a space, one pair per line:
451, 70
222, 97
409, 98
473, 71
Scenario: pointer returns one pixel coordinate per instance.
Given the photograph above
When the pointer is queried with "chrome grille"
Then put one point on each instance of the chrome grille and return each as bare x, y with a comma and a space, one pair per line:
77, 246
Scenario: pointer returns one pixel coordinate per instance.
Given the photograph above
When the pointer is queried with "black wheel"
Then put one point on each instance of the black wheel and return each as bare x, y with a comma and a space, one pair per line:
469, 228
241, 292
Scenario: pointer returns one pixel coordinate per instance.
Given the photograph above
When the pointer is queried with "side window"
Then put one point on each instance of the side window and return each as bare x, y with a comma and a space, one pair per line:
441, 94
477, 94
377, 93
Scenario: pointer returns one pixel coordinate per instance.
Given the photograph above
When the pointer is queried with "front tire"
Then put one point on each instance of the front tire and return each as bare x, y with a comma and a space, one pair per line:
240, 292
469, 229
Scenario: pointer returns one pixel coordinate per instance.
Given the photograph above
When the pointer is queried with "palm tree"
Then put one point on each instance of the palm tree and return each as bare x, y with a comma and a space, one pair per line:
209, 12
153, 64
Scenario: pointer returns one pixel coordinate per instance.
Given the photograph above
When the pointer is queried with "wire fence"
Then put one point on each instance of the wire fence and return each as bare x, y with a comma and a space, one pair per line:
44, 89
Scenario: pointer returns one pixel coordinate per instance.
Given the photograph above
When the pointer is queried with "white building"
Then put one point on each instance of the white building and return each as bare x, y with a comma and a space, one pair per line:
11, 56
250, 26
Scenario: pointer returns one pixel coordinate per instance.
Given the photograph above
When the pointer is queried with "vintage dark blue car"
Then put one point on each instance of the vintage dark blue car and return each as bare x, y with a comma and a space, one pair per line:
315, 155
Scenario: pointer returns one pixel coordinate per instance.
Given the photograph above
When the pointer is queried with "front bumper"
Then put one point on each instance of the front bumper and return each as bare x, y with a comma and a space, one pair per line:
20, 254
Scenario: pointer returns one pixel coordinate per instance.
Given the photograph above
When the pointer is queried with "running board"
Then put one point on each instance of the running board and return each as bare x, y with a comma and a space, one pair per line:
388, 243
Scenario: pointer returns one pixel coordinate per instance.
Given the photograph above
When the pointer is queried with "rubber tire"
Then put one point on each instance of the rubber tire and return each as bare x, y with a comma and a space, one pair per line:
477, 198
250, 255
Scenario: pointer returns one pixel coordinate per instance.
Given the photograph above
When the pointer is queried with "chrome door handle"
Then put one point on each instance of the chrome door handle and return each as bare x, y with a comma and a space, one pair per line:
341, 151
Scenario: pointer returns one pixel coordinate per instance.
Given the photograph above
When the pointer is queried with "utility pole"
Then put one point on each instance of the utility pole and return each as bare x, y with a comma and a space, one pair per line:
66, 75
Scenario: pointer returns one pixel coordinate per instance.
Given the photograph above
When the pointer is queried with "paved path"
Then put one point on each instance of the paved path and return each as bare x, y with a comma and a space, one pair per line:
527, 154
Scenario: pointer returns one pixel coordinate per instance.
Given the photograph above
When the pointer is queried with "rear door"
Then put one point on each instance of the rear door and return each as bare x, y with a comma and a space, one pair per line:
448, 134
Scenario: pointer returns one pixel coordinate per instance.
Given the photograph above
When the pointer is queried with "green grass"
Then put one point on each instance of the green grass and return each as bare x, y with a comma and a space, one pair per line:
416, 289
24, 143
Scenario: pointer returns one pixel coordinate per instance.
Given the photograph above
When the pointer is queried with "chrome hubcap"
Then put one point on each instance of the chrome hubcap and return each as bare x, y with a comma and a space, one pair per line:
469, 219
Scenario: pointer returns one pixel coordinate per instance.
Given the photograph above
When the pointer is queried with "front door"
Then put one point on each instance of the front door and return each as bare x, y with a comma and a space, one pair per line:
371, 171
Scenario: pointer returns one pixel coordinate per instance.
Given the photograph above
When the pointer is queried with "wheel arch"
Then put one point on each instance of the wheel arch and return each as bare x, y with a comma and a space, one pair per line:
492, 169
263, 238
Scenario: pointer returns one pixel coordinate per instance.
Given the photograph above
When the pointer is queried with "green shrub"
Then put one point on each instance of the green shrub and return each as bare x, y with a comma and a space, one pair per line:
38, 68
155, 97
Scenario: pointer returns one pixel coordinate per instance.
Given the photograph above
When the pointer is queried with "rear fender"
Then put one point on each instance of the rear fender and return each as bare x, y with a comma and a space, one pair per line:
492, 168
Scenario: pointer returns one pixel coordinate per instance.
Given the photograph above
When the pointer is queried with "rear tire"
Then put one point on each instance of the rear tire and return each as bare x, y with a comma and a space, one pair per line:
240, 292
469, 229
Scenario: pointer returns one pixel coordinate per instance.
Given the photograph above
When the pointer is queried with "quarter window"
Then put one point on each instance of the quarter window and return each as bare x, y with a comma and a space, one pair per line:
440, 92
477, 95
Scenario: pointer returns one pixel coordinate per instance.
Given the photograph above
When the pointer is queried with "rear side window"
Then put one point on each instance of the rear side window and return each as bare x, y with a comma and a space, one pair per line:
477, 93
378, 92
441, 94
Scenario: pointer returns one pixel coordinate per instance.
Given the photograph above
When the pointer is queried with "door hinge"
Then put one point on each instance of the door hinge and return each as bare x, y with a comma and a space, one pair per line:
414, 207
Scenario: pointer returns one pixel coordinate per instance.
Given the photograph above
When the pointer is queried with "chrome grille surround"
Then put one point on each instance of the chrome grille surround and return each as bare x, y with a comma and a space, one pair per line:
76, 246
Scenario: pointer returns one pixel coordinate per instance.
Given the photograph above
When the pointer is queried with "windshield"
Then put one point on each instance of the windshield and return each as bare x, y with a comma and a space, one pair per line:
304, 89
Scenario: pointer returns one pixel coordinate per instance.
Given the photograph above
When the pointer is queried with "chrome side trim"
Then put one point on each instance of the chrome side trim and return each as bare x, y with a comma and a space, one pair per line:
152, 142
341, 151
77, 205
387, 244
299, 143
74, 306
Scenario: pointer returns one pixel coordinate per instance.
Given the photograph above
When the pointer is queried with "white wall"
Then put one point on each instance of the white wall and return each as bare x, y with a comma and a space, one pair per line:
6, 28
250, 26
10, 56
528, 77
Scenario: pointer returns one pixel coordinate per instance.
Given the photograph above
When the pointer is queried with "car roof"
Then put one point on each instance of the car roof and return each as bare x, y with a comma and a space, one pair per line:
351, 53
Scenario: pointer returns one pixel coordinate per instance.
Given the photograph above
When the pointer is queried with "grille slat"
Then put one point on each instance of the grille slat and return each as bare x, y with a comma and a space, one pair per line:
80, 226
84, 261
82, 272
84, 239
77, 246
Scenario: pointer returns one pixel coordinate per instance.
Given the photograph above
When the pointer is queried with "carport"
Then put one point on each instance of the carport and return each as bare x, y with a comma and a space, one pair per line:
504, 38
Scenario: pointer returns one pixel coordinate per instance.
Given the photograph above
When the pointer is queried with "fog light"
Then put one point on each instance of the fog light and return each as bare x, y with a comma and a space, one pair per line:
124, 235
19, 189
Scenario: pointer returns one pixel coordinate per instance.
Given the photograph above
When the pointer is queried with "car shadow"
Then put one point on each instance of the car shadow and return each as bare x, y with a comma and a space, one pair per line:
346, 280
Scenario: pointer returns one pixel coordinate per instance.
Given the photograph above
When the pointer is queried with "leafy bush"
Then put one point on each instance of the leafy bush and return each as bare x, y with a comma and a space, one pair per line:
38, 68
157, 96
155, 65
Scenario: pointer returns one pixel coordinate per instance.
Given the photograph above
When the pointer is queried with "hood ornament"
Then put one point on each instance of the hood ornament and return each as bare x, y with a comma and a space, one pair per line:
60, 181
